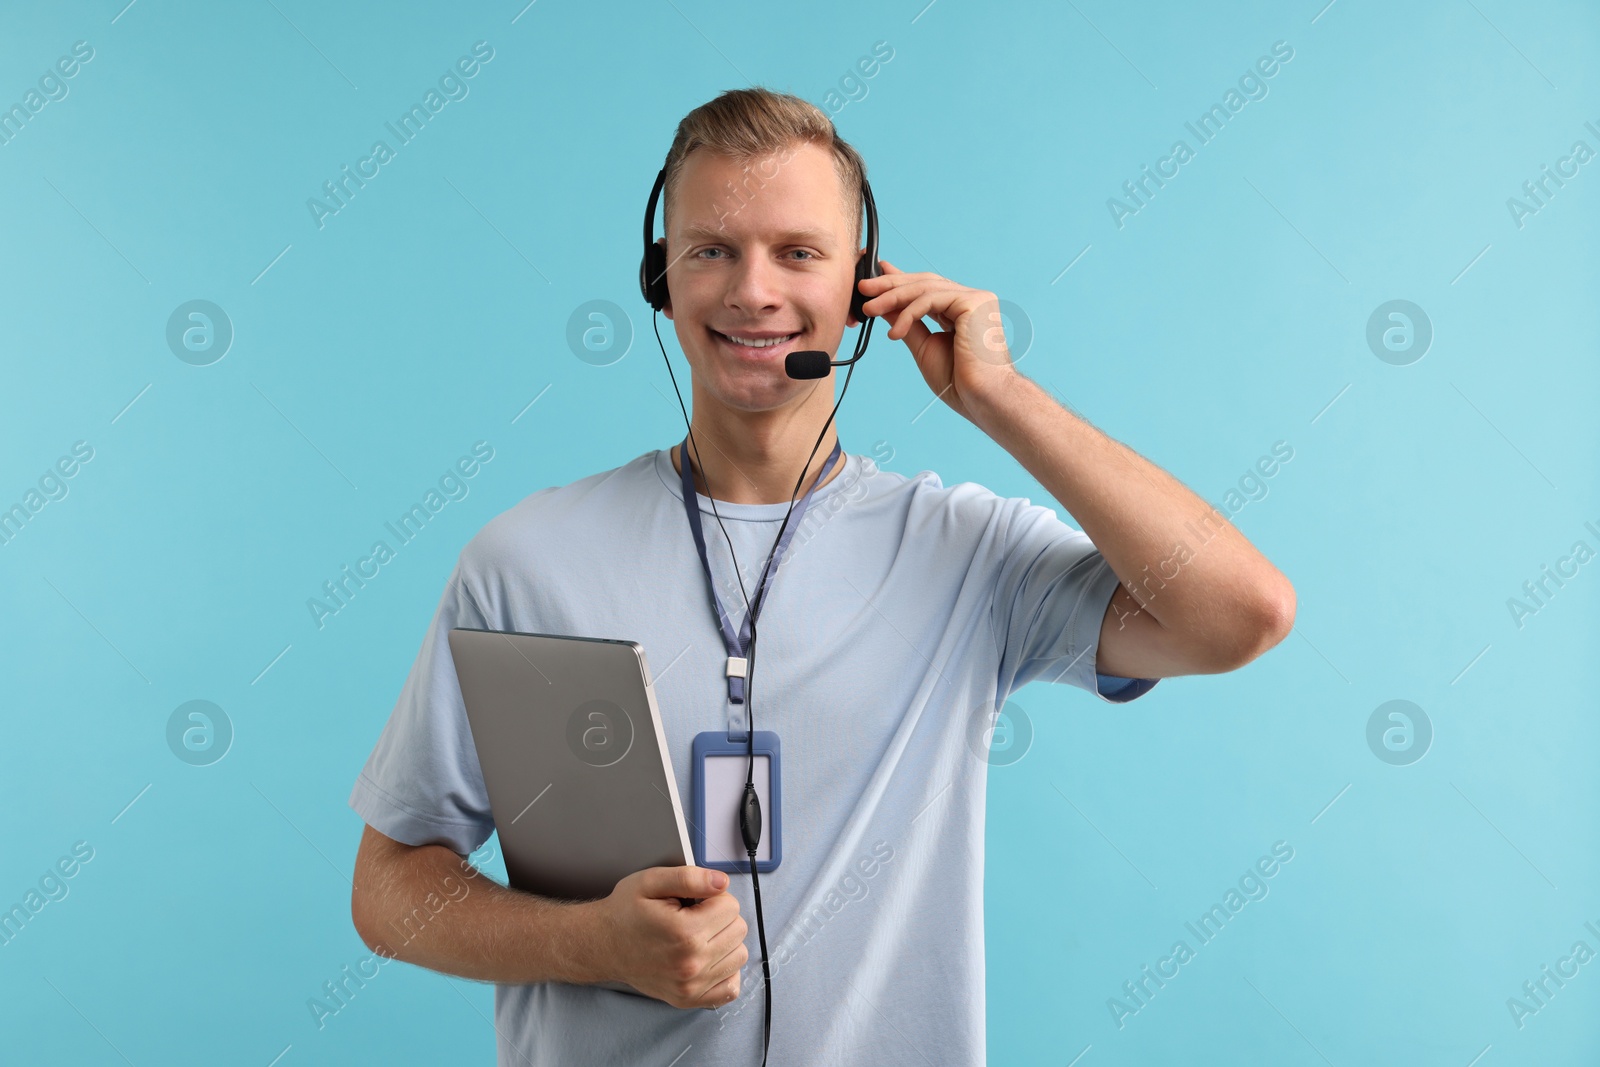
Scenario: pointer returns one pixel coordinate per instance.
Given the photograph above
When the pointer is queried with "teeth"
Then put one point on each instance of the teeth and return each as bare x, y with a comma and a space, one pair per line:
751, 343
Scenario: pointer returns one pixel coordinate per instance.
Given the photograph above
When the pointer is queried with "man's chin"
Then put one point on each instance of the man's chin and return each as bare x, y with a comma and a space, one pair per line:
757, 390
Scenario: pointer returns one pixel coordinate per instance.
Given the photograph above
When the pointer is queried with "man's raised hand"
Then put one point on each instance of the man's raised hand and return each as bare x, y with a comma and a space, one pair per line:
969, 356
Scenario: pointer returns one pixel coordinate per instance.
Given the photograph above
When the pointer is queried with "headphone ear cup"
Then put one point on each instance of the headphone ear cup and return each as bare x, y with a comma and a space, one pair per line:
865, 268
653, 276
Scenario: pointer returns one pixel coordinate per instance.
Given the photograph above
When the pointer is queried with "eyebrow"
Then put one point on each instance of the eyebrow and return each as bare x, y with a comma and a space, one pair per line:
802, 234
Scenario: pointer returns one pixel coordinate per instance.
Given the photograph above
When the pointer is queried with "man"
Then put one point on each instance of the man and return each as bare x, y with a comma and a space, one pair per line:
898, 624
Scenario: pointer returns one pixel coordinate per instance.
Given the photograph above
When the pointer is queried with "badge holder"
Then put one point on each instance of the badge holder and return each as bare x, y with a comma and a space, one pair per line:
718, 761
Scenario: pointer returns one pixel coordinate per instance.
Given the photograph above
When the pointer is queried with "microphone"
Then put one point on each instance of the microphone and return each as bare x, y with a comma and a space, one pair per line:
812, 364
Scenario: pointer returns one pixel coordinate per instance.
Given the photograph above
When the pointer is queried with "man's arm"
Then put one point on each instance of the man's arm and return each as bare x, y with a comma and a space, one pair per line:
425, 904
1195, 596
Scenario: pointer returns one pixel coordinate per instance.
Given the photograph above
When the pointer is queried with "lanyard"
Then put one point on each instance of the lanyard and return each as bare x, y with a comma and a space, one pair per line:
737, 646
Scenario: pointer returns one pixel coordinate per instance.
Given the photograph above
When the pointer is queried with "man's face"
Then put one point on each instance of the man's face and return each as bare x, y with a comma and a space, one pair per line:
754, 255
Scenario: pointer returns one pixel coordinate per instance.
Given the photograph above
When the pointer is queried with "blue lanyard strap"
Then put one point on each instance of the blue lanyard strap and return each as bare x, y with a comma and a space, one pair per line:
736, 646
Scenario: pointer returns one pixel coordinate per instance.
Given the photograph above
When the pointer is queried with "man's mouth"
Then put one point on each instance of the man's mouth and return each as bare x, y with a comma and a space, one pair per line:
760, 345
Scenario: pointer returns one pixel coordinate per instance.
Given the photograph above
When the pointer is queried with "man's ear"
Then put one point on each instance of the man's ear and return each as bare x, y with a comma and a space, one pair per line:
666, 309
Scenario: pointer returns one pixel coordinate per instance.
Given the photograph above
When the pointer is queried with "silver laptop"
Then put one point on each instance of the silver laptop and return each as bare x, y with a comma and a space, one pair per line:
574, 757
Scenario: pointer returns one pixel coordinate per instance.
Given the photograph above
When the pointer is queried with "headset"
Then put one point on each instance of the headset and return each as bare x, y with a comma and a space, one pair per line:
800, 365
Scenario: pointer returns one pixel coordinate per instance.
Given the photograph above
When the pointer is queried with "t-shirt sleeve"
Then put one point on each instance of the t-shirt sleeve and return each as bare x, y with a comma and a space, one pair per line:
422, 783
1050, 600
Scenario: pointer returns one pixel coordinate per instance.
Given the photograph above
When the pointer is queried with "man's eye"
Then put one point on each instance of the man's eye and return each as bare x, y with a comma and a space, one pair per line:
701, 254
805, 252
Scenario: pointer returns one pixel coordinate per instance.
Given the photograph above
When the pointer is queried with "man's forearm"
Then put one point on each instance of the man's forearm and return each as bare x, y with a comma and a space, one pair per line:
428, 906
1217, 587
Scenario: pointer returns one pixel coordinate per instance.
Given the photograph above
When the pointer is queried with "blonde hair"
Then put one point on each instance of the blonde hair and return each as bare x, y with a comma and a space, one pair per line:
746, 123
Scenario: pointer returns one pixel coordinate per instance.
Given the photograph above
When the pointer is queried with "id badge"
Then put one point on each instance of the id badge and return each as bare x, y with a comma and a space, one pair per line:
718, 773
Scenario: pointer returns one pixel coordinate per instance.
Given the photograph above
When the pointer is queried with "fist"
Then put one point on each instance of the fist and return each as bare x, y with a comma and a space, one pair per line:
674, 933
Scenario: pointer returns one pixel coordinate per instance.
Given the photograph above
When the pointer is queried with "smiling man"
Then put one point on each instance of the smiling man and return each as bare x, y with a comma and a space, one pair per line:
912, 613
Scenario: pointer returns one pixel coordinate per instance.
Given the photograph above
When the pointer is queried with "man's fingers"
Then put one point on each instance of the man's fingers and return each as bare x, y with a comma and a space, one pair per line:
730, 935
660, 883
723, 979
916, 336
942, 305
948, 298
893, 279
729, 952
909, 285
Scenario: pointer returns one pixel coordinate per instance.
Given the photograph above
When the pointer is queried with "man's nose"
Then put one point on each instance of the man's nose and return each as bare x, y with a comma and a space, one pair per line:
756, 284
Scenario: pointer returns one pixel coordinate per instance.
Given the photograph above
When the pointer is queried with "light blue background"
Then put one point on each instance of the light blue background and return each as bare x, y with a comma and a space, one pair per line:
1228, 314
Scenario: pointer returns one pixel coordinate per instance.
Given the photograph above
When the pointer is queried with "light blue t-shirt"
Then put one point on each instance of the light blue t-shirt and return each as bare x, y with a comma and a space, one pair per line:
903, 613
